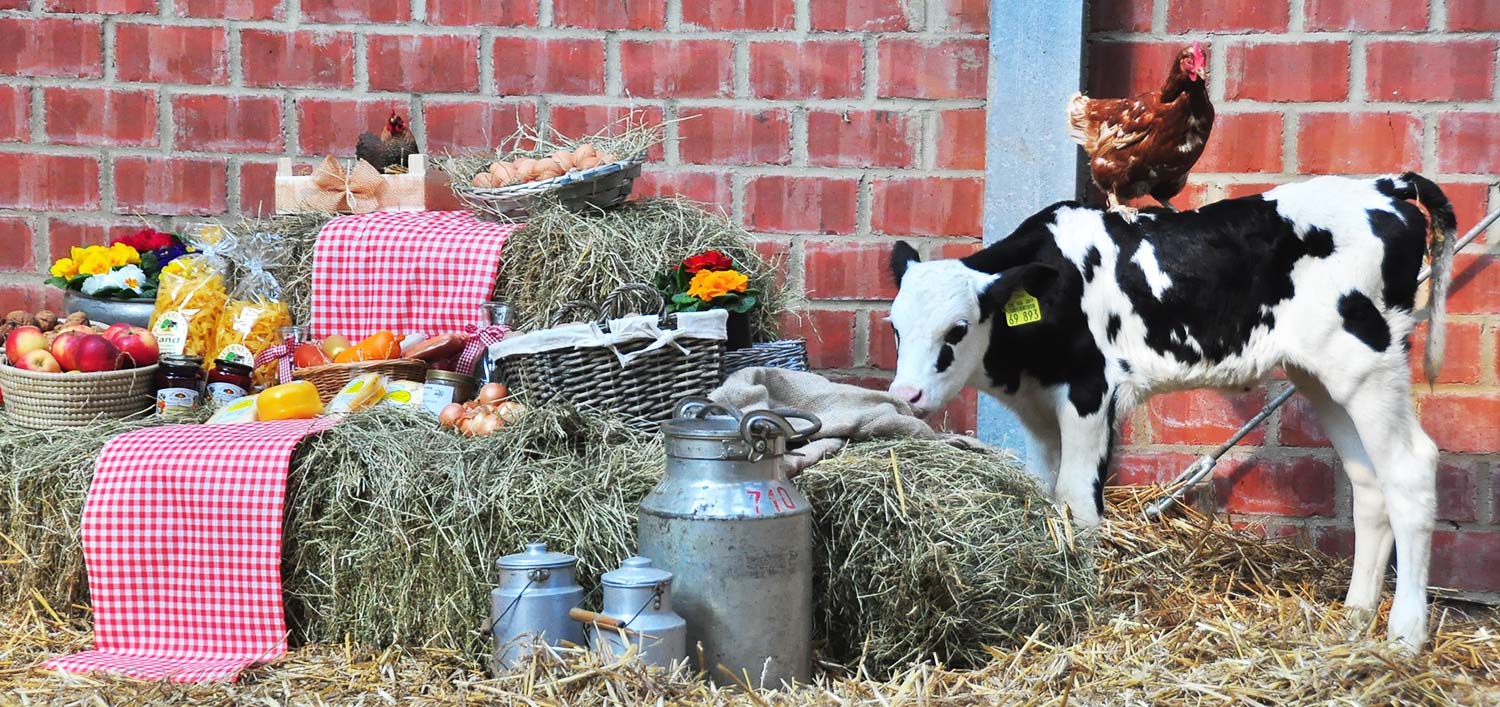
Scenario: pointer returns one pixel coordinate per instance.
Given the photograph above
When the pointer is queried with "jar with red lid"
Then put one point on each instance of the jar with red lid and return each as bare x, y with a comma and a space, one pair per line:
229, 381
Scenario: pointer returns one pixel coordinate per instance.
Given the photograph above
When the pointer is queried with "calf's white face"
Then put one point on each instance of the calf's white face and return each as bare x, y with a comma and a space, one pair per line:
940, 340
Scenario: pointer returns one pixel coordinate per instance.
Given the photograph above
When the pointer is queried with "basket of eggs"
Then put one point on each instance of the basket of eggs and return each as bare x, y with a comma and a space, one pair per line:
581, 179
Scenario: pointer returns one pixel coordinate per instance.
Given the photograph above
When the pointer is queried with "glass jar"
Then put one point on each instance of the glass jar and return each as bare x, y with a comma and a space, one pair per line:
179, 385
496, 313
298, 334
444, 387
229, 381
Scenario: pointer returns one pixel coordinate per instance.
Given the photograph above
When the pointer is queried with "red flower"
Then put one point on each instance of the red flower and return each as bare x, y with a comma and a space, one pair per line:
146, 239
708, 260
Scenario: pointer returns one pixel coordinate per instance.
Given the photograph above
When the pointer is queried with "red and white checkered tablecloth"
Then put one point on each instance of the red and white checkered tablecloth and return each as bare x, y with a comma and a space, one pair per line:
182, 538
411, 272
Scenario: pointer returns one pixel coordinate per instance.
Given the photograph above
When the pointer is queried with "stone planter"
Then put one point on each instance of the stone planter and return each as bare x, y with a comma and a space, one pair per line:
109, 311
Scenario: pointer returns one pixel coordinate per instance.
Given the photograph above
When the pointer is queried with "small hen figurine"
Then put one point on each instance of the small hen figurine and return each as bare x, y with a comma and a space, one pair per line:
1146, 144
387, 151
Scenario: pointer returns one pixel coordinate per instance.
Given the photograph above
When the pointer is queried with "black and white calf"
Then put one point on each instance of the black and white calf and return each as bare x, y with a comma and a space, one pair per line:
1318, 278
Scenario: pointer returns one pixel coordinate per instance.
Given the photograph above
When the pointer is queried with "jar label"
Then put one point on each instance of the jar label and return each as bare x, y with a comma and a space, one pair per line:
436, 396
222, 392
171, 402
237, 353
171, 332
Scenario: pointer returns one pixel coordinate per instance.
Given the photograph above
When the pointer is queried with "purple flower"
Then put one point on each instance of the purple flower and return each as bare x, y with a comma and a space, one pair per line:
169, 253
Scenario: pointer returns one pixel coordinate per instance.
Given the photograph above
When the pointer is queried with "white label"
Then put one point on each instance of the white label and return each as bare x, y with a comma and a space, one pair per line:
171, 402
245, 320
171, 332
436, 396
225, 392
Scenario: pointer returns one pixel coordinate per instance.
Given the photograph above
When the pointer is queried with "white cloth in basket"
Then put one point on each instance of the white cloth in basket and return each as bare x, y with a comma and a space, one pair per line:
710, 325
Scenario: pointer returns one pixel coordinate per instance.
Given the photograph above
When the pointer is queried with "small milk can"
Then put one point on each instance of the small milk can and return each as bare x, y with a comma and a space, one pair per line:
537, 589
737, 537
638, 610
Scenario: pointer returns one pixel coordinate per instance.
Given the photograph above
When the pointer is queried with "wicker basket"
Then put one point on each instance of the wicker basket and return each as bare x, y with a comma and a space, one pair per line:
644, 392
590, 189
330, 378
41, 400
787, 353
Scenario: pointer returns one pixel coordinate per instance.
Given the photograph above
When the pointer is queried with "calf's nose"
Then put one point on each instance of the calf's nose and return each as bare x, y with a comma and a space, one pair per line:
910, 394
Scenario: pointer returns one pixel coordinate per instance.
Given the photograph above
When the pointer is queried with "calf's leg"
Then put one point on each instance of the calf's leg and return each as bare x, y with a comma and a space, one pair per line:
1086, 441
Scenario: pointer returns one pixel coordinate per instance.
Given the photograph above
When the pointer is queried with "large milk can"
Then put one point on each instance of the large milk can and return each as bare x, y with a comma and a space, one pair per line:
537, 590
737, 537
638, 611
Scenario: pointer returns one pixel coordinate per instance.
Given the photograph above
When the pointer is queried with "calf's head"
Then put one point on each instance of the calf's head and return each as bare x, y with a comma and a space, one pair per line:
943, 316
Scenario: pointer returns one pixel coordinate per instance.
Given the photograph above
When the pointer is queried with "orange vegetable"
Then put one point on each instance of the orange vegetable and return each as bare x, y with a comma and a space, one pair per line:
379, 346
289, 401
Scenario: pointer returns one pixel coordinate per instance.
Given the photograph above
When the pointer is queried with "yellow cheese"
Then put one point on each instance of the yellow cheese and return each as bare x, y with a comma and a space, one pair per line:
240, 410
360, 393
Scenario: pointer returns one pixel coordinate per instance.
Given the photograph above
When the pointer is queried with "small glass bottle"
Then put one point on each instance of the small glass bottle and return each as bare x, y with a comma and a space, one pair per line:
179, 385
496, 313
298, 334
229, 381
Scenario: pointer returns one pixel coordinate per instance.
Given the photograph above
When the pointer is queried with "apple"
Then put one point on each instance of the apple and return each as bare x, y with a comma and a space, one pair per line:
24, 340
80, 328
138, 343
65, 349
39, 360
96, 353
309, 355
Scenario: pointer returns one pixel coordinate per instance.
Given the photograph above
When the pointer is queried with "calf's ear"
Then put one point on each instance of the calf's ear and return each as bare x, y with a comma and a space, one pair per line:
902, 255
1035, 278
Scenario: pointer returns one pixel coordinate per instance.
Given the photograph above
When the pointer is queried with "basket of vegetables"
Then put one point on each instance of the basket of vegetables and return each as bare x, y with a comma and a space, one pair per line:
75, 372
331, 363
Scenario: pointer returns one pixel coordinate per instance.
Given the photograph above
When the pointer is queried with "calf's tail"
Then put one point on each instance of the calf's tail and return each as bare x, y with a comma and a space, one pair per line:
1442, 229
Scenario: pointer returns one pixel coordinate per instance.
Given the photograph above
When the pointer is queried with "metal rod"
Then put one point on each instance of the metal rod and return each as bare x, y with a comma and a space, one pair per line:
1204, 465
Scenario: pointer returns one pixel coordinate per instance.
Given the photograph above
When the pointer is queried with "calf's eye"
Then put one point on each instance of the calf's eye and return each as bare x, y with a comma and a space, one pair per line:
956, 334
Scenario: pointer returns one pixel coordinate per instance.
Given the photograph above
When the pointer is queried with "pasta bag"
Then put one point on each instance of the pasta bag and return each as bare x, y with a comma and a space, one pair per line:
255, 313
191, 295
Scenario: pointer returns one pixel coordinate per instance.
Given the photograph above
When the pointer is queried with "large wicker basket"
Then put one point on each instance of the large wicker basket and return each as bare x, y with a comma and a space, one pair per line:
786, 353
643, 392
38, 400
330, 378
584, 190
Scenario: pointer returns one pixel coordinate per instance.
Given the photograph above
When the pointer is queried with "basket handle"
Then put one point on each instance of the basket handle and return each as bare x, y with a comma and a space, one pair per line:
612, 301
595, 314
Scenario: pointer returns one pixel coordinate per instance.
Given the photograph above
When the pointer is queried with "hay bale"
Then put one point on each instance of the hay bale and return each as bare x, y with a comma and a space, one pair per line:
935, 552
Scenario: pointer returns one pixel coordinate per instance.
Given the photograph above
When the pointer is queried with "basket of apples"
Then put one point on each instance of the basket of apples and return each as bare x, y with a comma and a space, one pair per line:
77, 373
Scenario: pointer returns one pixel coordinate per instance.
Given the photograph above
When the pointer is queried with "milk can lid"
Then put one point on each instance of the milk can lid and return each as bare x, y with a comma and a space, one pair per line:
636, 572
536, 555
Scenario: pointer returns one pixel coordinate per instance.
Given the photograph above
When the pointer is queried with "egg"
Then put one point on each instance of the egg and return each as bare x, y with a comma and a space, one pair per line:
564, 159
451, 414
526, 169
492, 393
550, 169
608, 158
503, 173
584, 152
589, 162
483, 180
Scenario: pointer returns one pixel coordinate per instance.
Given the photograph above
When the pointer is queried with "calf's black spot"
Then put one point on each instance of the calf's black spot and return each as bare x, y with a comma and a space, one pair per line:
1363, 320
945, 358
1091, 260
1112, 327
1404, 241
1319, 242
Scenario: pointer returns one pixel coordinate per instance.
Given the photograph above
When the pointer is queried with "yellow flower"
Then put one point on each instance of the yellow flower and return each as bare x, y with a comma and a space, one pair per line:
121, 254
708, 284
64, 268
96, 263
77, 254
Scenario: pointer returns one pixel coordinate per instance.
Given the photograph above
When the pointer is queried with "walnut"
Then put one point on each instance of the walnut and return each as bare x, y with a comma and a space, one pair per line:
20, 318
76, 318
46, 320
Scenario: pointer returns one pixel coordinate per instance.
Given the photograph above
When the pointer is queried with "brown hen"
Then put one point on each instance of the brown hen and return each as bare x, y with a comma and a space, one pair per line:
387, 152
1146, 144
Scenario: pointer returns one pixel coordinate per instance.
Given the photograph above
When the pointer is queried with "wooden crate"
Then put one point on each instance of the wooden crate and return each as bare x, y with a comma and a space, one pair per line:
403, 192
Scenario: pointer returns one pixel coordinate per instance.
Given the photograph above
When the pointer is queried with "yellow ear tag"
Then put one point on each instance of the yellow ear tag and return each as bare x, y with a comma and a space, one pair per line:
1022, 309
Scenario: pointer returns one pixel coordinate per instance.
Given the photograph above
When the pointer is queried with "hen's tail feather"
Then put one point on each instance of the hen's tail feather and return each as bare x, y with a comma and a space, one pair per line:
1442, 229
1078, 123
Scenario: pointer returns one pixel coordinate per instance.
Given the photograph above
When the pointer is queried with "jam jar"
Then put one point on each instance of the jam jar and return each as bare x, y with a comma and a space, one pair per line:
228, 381
179, 385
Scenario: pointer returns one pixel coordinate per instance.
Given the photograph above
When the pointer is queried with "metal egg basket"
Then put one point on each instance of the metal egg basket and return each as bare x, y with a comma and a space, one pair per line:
596, 188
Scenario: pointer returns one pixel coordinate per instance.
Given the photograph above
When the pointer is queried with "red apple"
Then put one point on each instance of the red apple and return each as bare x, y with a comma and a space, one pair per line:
138, 343
65, 349
39, 360
24, 340
96, 353
309, 355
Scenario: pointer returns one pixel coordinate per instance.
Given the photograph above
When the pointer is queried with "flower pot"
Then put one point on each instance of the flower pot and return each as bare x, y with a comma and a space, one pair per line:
738, 330
109, 311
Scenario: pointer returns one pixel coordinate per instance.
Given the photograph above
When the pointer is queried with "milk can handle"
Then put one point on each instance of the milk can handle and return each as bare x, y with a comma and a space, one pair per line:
697, 406
752, 425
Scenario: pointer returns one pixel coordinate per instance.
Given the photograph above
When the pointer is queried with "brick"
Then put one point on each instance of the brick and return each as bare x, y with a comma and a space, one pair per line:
65, 234
257, 188
1462, 422
30, 297
48, 182
610, 14
914, 68
1299, 425
1430, 71
482, 13
1473, 15
1243, 142
824, 69
230, 9
1333, 540
1288, 72
100, 117
303, 59
740, 14
670, 68
967, 16
962, 249
1205, 416
1228, 16
1466, 560
424, 63
1463, 359
961, 139
928, 206
15, 113
862, 138
1118, 69
17, 235
1139, 467
170, 186
1358, 143
960, 416
801, 204
710, 188
216, 123
1192, 196
1464, 143
1476, 285
15, 4
163, 54
1299, 486
882, 341
1120, 16
776, 255
51, 47
565, 65
839, 271
1236, 190
374, 11
1456, 496
474, 126
580, 120
331, 126
734, 136
108, 7
1365, 15
862, 15
1470, 203
829, 335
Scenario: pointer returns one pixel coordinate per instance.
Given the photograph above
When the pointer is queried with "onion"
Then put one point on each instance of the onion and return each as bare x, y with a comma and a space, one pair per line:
451, 414
485, 425
492, 393
510, 411
466, 427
